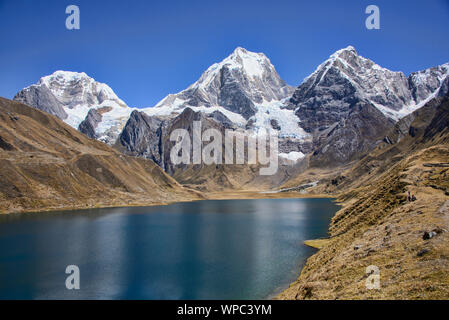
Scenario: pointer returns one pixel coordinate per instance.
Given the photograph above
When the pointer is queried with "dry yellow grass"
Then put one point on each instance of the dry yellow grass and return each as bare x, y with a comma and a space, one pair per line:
378, 226
317, 243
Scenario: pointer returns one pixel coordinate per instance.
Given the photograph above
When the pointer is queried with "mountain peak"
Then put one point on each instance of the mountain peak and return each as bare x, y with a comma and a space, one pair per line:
238, 83
348, 49
342, 55
244, 53
345, 54
60, 82
253, 65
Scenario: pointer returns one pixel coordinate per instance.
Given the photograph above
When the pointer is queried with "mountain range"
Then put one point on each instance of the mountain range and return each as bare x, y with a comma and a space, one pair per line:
335, 116
352, 130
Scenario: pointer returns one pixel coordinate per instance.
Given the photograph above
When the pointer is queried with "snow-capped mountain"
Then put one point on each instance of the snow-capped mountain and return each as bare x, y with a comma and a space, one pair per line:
349, 102
346, 76
243, 89
237, 84
81, 102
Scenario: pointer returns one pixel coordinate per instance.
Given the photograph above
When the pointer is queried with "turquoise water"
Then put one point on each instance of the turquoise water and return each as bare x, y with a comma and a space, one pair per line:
232, 249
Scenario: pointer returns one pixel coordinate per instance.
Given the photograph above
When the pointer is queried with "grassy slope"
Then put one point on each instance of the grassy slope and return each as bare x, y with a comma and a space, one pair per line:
378, 226
46, 164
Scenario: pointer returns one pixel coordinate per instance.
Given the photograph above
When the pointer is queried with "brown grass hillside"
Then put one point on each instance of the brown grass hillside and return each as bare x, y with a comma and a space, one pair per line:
45, 164
378, 226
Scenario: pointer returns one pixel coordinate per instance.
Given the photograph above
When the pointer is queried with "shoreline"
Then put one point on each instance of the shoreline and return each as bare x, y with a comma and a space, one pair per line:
234, 195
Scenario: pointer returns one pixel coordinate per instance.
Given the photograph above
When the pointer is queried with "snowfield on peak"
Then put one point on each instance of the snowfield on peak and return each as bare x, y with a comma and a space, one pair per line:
78, 114
283, 122
71, 95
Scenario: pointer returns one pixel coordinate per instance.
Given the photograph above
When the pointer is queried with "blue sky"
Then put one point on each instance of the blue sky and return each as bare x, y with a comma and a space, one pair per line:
145, 50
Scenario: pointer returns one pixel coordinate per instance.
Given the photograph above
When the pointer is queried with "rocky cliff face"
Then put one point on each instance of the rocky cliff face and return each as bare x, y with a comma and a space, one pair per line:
141, 137
362, 128
42, 98
149, 136
424, 84
89, 125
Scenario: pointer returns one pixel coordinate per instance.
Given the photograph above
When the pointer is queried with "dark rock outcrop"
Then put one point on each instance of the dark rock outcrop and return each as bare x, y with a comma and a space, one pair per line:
91, 122
141, 137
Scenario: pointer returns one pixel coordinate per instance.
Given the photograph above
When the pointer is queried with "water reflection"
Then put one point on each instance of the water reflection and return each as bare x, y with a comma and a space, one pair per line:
235, 249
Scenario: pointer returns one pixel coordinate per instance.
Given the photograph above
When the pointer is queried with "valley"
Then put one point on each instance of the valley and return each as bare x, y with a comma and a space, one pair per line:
352, 130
